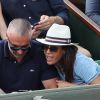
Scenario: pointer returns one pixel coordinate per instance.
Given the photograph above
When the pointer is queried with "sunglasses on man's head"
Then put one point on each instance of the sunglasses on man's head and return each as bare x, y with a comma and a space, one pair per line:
51, 48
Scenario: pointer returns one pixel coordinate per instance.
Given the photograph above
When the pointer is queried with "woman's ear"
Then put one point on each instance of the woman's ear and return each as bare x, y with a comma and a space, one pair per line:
63, 51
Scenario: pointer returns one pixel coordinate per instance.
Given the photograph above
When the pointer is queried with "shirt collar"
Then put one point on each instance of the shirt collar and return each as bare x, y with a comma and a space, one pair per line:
6, 49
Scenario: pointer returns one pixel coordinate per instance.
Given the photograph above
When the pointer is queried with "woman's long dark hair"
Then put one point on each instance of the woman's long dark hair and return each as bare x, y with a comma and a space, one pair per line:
67, 62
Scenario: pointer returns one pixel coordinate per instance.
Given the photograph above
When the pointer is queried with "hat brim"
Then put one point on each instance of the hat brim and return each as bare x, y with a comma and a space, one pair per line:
43, 41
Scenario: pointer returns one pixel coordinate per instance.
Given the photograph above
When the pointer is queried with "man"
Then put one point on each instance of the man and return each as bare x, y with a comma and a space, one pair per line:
22, 65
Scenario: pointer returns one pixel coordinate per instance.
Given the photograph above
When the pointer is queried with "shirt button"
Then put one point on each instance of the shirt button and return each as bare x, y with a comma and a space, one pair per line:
34, 0
15, 62
29, 17
24, 5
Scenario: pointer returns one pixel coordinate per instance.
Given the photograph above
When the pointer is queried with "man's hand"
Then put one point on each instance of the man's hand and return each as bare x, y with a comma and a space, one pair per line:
46, 21
1, 91
35, 33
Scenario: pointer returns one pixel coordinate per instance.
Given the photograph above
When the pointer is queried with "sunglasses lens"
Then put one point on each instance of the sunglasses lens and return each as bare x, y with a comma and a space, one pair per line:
51, 48
13, 48
20, 48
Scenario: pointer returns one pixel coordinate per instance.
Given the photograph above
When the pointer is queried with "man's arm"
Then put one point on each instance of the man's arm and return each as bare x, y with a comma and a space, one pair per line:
3, 26
1, 91
51, 83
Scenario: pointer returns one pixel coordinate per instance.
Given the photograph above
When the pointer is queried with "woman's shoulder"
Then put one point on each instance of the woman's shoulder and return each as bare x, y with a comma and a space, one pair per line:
81, 56
83, 60
84, 63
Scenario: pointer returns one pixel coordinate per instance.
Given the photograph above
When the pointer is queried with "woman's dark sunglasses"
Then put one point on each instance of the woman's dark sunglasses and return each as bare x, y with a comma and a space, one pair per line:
51, 48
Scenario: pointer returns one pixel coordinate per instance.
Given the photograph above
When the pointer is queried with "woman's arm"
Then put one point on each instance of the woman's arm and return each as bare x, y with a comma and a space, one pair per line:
96, 81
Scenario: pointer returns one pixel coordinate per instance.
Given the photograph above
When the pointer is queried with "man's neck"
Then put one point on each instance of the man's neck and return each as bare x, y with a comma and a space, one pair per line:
19, 59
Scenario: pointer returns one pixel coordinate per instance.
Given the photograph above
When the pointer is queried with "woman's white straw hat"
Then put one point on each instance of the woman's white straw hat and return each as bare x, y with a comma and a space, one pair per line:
57, 35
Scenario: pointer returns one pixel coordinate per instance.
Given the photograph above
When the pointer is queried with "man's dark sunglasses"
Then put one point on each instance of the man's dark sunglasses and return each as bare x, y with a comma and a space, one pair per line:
15, 47
51, 48
24, 48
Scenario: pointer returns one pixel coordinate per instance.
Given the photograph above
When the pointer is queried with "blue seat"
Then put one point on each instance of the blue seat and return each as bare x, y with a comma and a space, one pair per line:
98, 61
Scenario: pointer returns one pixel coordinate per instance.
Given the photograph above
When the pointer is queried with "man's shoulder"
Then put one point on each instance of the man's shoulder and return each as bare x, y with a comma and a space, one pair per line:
37, 52
2, 42
36, 48
36, 45
34, 42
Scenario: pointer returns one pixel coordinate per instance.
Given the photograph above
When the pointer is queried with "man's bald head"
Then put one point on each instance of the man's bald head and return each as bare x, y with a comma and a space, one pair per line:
19, 26
19, 36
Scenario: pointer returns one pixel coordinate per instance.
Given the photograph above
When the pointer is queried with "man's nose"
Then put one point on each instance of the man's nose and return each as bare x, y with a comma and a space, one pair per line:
20, 51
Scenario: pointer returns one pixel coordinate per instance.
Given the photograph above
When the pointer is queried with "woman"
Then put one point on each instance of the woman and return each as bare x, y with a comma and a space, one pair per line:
74, 68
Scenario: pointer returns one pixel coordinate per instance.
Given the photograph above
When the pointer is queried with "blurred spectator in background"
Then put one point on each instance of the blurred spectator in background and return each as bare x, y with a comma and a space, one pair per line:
45, 12
79, 3
93, 10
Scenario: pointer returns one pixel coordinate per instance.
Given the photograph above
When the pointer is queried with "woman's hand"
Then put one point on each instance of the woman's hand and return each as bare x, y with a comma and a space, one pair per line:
62, 84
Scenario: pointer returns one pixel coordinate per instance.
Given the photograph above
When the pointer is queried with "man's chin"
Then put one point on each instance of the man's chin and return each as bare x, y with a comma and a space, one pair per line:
18, 56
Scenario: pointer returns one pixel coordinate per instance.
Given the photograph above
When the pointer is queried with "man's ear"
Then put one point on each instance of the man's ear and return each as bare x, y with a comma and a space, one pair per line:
30, 33
6, 36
